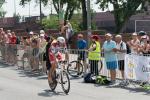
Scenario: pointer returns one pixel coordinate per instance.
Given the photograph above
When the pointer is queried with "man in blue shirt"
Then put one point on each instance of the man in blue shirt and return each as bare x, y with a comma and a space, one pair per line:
110, 56
82, 45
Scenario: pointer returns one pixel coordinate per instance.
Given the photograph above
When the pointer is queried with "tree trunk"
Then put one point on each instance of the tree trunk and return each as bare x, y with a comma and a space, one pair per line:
56, 6
84, 15
66, 13
71, 13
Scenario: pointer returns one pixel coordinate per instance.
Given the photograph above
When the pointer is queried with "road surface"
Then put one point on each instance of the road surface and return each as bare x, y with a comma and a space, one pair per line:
20, 85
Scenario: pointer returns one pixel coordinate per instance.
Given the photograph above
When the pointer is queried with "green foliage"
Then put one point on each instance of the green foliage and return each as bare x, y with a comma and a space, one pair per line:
123, 10
51, 22
69, 6
75, 24
2, 12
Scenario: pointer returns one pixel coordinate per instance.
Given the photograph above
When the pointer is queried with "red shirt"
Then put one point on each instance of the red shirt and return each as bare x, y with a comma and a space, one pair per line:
13, 40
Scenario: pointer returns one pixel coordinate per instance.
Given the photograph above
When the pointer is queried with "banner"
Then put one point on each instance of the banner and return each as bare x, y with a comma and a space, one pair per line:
137, 67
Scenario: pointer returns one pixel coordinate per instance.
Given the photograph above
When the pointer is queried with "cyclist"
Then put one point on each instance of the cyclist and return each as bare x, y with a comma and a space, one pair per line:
57, 46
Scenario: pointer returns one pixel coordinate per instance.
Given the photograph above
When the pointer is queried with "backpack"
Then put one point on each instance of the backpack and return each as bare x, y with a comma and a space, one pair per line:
17, 41
128, 49
102, 80
127, 46
89, 78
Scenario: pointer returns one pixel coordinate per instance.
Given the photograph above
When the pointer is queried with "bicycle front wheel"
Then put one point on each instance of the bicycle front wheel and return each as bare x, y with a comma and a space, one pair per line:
65, 82
75, 69
53, 85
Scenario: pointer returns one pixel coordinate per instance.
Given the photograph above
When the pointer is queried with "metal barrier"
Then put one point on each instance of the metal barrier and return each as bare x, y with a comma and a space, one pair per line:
30, 58
25, 57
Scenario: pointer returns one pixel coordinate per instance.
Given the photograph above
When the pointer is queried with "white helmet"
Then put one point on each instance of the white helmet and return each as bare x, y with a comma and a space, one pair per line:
61, 39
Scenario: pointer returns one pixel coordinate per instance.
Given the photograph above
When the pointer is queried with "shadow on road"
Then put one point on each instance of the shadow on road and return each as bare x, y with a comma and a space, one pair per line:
137, 90
132, 89
49, 93
75, 78
3, 65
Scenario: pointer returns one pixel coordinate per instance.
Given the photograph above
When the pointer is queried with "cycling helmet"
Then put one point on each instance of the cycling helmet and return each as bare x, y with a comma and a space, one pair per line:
61, 39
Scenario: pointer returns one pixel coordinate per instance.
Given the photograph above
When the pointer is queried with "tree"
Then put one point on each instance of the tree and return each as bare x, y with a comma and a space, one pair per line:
122, 10
51, 22
84, 14
2, 12
70, 5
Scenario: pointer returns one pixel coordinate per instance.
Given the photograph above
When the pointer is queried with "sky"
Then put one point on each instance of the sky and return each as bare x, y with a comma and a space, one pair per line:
10, 7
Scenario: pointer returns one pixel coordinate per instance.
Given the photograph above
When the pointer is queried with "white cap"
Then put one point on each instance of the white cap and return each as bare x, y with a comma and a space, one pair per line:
42, 35
118, 36
134, 34
108, 34
31, 33
42, 31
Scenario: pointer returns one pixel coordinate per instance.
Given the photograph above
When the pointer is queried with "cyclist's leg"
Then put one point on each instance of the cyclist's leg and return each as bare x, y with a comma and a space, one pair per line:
52, 68
51, 72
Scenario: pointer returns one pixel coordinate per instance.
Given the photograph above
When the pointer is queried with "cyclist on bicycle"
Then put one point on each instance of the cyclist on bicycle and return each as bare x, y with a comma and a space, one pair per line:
57, 46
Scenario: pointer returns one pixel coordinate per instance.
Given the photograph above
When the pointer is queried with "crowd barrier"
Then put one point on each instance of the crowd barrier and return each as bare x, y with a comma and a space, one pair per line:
137, 66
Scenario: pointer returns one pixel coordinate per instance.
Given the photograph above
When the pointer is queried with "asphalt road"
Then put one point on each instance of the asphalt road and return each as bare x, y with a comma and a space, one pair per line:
22, 85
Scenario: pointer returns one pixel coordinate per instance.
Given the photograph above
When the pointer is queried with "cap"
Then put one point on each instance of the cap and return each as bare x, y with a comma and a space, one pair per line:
134, 34
108, 34
141, 33
118, 36
31, 33
42, 31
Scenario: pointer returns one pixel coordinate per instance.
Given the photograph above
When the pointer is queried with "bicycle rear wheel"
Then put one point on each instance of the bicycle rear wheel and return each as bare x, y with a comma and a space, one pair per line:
65, 82
75, 69
54, 84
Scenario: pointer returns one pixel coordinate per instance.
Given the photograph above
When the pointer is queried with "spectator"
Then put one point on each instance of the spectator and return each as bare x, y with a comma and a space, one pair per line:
13, 48
8, 37
69, 32
121, 51
94, 54
26, 47
43, 32
144, 48
134, 43
69, 26
82, 45
42, 46
2, 44
110, 56
35, 53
